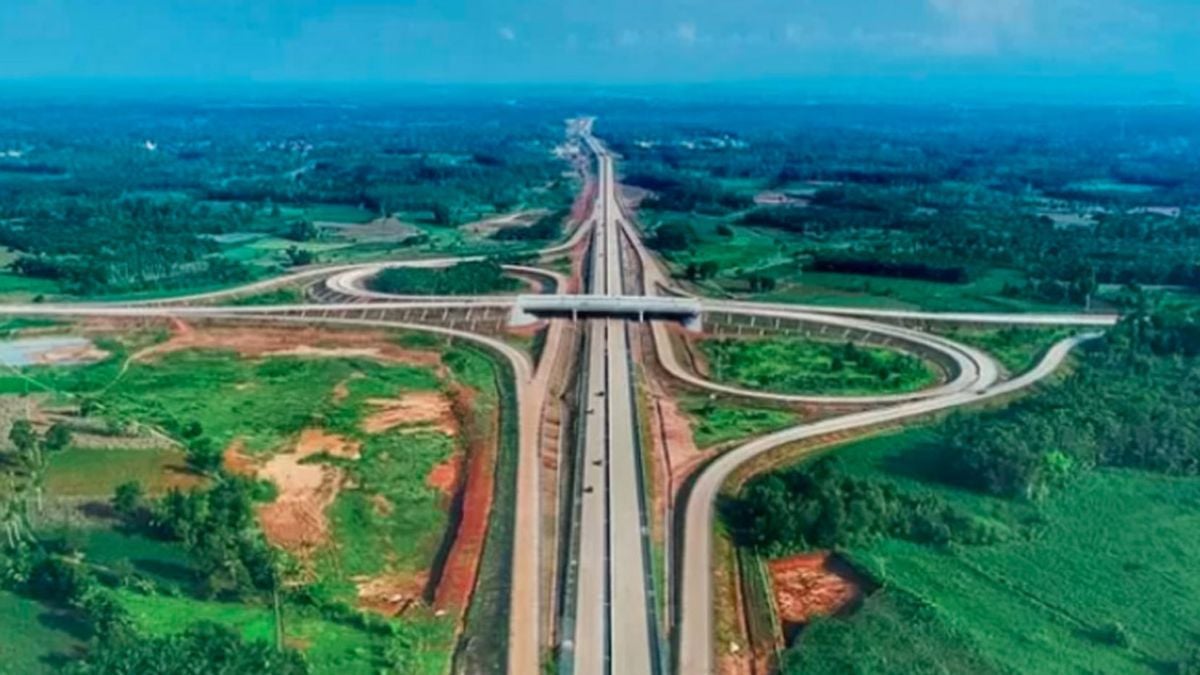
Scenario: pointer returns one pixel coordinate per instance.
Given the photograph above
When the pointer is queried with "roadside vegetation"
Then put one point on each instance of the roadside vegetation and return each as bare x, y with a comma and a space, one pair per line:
1015, 348
1048, 535
802, 366
715, 423
479, 277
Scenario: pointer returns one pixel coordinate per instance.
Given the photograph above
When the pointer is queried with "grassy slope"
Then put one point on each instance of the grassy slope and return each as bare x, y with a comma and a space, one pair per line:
1116, 547
714, 423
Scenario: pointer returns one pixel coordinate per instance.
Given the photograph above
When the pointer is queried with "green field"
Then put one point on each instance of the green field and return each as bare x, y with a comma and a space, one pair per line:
1101, 577
982, 294
1017, 349
261, 402
716, 423
265, 402
329, 646
97, 472
799, 366
37, 639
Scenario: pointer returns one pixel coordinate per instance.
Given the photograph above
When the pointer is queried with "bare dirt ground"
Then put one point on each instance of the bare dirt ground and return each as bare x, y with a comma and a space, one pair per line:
771, 198
296, 520
488, 226
462, 564
412, 410
445, 476
236, 461
380, 229
85, 353
390, 594
258, 341
811, 585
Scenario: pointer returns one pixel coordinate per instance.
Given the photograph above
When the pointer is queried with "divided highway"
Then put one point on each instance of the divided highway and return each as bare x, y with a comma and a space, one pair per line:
613, 630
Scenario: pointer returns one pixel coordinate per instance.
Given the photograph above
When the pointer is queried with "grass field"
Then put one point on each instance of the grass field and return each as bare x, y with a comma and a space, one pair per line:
1099, 578
78, 472
405, 538
797, 366
37, 639
981, 294
1017, 349
715, 423
259, 401
330, 646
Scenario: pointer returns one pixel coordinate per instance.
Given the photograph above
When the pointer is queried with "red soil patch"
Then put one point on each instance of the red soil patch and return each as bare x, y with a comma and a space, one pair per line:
462, 564
257, 341
583, 199
236, 461
316, 441
444, 477
811, 585
420, 408
296, 520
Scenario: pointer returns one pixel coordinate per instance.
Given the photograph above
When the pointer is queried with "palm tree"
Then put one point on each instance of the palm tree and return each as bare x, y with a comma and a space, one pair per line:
14, 513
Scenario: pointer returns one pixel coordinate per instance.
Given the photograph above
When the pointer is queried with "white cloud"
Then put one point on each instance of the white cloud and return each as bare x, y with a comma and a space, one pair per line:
506, 33
978, 27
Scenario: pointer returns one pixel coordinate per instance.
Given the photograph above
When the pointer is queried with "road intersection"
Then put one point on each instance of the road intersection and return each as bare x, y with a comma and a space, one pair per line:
615, 627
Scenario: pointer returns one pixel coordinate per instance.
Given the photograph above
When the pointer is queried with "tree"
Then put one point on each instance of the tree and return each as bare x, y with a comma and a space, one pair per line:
302, 230
442, 215
23, 436
88, 406
14, 514
58, 437
128, 500
203, 455
299, 256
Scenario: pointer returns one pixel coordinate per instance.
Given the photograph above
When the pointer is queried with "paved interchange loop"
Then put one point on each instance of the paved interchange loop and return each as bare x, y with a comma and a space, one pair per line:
615, 630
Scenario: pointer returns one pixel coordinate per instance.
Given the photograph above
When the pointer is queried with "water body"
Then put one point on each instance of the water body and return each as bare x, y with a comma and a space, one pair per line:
58, 350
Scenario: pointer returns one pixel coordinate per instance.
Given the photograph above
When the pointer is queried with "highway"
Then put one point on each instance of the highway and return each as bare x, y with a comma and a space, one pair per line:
695, 628
613, 629
614, 632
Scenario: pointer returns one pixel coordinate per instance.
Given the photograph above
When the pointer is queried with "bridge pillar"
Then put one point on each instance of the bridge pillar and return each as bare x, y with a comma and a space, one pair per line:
519, 317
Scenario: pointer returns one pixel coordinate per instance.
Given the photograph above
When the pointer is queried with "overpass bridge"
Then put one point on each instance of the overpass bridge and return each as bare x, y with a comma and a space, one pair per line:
529, 308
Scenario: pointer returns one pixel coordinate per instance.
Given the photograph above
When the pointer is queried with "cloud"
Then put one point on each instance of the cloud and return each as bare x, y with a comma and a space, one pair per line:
686, 32
977, 27
506, 33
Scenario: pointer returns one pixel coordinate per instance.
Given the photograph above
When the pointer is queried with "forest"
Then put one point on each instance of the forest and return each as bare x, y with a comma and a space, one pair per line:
174, 195
1071, 205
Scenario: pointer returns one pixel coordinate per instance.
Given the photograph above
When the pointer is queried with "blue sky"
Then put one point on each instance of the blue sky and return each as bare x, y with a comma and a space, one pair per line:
1138, 44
